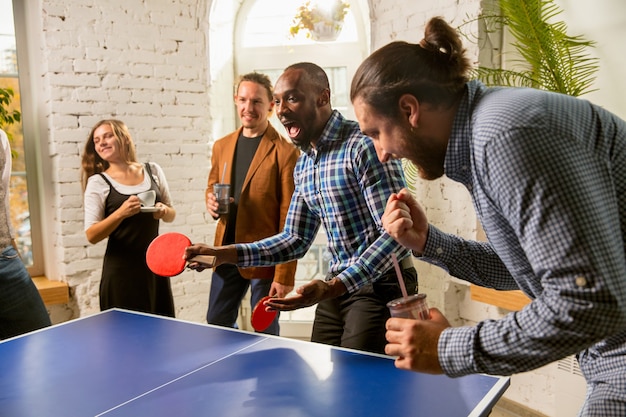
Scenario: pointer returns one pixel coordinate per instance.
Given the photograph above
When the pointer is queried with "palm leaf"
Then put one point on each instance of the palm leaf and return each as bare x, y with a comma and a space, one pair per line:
497, 76
551, 59
8, 115
410, 175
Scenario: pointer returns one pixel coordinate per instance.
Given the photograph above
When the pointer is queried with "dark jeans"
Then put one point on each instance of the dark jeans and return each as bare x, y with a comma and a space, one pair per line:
21, 307
228, 288
357, 320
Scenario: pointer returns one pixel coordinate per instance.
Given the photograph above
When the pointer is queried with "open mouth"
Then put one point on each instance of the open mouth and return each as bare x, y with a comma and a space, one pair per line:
292, 128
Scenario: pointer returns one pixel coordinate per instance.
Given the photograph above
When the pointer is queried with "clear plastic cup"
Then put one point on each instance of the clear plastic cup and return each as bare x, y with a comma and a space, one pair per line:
222, 194
412, 307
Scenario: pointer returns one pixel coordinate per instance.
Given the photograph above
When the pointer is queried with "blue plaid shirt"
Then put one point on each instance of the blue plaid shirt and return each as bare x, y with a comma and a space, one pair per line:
342, 185
547, 175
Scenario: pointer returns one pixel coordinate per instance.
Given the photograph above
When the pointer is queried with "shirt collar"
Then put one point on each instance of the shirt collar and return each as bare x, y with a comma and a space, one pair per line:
458, 155
331, 133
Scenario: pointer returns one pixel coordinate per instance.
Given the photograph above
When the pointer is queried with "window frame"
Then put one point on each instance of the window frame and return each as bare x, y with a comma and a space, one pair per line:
32, 159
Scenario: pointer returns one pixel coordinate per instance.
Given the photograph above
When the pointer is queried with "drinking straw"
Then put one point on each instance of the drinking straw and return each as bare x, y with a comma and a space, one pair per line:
396, 265
223, 172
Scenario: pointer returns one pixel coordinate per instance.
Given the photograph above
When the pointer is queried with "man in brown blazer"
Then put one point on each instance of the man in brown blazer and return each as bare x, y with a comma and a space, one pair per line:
258, 163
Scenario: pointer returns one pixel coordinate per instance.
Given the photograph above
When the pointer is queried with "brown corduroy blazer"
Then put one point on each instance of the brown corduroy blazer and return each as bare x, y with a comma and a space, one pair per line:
265, 195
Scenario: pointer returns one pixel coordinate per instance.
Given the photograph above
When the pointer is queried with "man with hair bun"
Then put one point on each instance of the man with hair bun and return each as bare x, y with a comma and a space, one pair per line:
547, 176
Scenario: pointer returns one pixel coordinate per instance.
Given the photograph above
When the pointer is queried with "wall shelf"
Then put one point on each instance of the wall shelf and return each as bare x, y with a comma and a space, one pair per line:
510, 300
52, 292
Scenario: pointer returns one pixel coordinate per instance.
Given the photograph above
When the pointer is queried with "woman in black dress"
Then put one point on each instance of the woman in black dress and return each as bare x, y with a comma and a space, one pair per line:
111, 179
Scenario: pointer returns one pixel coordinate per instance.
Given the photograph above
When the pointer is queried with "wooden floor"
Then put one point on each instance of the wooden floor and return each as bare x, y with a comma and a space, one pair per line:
507, 408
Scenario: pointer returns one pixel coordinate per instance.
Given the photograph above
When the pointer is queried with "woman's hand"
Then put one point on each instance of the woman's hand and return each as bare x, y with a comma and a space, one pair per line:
129, 208
164, 212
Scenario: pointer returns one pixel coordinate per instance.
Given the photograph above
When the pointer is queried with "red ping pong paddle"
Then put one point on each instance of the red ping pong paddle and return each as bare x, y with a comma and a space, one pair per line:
165, 255
262, 319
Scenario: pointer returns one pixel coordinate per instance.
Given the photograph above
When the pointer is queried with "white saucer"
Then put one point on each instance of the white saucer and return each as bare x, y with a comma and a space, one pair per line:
149, 209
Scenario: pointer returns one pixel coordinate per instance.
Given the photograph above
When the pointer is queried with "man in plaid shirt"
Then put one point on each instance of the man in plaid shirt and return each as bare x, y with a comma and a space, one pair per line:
340, 184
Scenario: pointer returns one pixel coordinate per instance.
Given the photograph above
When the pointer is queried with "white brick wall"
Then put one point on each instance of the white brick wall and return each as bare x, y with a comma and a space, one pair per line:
145, 63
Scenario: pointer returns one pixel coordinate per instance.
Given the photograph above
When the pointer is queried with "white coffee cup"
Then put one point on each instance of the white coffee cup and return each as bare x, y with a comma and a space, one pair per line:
147, 198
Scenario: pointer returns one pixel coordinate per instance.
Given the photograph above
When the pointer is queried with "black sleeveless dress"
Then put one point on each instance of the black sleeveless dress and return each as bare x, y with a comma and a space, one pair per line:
126, 280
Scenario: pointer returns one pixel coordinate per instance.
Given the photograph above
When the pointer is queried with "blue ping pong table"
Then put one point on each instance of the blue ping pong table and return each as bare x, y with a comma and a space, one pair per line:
121, 363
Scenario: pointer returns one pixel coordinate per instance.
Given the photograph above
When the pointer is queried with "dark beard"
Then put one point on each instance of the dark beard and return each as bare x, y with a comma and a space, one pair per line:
427, 158
304, 145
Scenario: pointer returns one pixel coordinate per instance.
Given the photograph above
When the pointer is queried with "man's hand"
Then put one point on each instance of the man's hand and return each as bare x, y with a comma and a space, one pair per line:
223, 255
308, 295
211, 204
414, 342
279, 290
405, 221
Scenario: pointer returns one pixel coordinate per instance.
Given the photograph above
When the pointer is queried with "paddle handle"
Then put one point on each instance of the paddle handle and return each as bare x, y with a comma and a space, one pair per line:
207, 260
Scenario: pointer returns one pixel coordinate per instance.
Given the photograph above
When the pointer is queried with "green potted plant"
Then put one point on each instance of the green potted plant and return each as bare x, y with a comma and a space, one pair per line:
546, 56
320, 23
8, 116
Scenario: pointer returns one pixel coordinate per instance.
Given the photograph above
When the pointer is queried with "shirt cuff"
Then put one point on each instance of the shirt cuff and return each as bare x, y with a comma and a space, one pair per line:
455, 358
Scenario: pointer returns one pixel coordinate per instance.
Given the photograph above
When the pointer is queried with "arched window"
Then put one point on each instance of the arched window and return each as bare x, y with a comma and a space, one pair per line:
263, 43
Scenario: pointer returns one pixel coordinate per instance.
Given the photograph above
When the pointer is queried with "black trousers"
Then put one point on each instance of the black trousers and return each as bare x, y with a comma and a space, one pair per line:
357, 320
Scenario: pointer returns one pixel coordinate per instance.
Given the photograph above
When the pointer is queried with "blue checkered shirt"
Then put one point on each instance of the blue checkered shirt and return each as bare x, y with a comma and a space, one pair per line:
547, 175
341, 185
